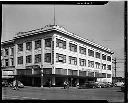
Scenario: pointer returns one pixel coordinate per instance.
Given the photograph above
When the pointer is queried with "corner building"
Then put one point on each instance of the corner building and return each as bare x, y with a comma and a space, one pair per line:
54, 54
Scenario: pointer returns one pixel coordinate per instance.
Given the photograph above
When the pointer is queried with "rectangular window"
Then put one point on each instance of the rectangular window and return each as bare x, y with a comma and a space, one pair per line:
28, 59
90, 52
37, 58
6, 52
103, 57
29, 46
61, 43
108, 58
12, 51
104, 66
82, 50
97, 65
12, 61
108, 75
48, 42
20, 60
109, 67
104, 75
48, 57
60, 58
6, 62
91, 64
37, 44
97, 55
20, 47
82, 62
73, 47
72, 60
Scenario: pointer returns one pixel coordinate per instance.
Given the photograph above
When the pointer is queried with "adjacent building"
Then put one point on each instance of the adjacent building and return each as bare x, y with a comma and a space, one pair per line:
53, 54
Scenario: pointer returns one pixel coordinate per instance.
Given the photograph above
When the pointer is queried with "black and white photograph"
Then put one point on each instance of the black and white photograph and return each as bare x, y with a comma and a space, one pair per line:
60, 51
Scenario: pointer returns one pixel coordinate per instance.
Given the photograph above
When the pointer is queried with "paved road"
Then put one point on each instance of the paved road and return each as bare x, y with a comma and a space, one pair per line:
111, 94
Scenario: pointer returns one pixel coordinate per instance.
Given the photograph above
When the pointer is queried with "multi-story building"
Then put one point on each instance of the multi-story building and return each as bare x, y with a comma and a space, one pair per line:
55, 54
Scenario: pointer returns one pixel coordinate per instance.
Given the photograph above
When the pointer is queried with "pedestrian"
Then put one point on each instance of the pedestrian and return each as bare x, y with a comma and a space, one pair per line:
67, 85
64, 84
15, 85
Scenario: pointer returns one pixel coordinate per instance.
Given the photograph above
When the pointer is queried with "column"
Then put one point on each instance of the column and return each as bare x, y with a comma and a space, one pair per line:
24, 54
33, 48
15, 58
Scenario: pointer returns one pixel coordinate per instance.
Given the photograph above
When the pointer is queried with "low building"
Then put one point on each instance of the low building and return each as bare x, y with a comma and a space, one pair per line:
54, 54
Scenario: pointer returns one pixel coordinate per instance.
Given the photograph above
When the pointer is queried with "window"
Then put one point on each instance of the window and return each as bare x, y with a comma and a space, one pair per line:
82, 50
28, 59
1, 52
60, 58
73, 47
97, 65
48, 57
61, 43
37, 58
6, 62
29, 46
82, 62
108, 75
103, 57
12, 51
108, 58
72, 60
37, 44
97, 55
6, 52
20, 47
91, 64
90, 52
104, 75
48, 42
104, 66
109, 67
20, 60
12, 61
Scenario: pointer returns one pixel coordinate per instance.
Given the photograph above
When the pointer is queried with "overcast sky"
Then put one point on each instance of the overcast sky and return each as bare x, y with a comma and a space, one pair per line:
102, 24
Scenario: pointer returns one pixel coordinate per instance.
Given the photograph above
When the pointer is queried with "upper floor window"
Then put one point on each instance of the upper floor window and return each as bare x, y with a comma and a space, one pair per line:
90, 52
104, 66
60, 58
29, 59
1, 52
82, 62
97, 55
6, 62
82, 50
72, 60
103, 57
12, 51
48, 57
108, 58
37, 44
48, 42
61, 43
108, 75
73, 47
109, 67
91, 64
6, 51
97, 65
29, 46
12, 61
20, 47
20, 60
37, 58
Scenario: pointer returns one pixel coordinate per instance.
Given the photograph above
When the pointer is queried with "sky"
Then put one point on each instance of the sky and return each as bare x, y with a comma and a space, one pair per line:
103, 24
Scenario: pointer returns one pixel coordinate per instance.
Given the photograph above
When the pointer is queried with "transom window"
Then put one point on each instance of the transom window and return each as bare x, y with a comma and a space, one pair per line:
82, 50
61, 43
29, 46
90, 52
20, 47
73, 47
37, 44
60, 58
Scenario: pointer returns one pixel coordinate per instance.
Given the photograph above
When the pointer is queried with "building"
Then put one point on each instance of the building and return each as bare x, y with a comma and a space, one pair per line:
54, 54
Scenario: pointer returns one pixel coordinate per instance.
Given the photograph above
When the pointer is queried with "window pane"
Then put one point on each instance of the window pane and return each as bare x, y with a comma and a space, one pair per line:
48, 42
20, 60
28, 59
20, 47
37, 58
37, 44
28, 45
48, 57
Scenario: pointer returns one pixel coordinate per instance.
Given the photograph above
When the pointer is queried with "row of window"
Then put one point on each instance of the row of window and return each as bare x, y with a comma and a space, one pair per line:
11, 62
82, 50
37, 44
7, 51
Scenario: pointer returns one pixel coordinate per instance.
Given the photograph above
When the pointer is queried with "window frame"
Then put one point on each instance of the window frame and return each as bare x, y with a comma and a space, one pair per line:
27, 59
20, 47
29, 45
37, 58
47, 58
20, 60
48, 42
37, 44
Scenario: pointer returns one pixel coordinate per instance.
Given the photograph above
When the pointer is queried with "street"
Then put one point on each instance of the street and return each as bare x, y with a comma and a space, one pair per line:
58, 93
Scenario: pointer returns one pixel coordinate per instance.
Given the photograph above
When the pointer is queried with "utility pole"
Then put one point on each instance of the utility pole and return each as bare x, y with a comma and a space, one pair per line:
115, 67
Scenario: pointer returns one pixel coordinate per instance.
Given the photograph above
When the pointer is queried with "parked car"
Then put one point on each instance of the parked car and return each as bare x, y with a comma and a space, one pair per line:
101, 84
108, 84
118, 84
20, 85
88, 84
